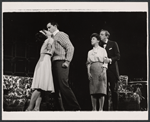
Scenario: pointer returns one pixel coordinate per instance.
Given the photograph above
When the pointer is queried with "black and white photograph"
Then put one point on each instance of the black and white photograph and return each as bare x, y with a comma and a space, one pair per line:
75, 61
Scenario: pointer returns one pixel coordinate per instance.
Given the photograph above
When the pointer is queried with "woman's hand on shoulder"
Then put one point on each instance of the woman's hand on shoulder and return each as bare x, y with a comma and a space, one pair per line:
47, 33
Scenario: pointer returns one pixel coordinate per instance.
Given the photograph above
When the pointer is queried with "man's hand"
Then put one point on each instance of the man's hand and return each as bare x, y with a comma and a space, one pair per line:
107, 60
104, 69
66, 64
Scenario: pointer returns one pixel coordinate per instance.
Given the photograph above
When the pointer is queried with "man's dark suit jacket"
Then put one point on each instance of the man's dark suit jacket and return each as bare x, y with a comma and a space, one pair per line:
113, 53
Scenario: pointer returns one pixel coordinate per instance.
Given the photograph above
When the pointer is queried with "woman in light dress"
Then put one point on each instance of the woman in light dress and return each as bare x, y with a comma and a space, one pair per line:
96, 68
42, 79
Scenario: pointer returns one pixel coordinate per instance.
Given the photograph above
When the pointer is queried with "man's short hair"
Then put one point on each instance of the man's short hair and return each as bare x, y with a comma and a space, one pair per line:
54, 23
106, 33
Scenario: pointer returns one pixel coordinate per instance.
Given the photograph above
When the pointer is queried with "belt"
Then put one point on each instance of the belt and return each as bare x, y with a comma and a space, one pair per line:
48, 54
97, 62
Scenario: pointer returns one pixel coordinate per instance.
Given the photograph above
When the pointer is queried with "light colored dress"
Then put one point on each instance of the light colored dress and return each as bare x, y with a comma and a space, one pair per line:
98, 83
43, 78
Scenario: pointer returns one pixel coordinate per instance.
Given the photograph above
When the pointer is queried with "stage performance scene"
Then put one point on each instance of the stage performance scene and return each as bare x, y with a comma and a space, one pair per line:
75, 61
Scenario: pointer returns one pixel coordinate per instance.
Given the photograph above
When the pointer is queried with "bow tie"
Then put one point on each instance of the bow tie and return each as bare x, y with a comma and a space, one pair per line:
103, 43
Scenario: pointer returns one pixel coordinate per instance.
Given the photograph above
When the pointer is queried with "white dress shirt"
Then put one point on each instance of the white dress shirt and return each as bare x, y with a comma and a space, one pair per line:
110, 60
55, 32
106, 43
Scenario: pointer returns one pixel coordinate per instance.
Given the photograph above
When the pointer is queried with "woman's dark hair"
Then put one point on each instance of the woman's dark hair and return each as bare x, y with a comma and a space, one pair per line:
95, 35
40, 36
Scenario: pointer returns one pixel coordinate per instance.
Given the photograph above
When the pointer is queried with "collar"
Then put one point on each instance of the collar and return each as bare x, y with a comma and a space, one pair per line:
96, 47
55, 32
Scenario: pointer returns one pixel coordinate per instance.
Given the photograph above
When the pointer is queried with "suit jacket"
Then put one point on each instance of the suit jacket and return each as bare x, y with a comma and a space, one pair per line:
113, 53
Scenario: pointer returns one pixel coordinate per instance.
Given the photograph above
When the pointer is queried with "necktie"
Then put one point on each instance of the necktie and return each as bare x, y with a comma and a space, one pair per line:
52, 36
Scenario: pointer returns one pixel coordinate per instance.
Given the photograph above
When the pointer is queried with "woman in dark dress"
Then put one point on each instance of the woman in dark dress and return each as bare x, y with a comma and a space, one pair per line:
97, 72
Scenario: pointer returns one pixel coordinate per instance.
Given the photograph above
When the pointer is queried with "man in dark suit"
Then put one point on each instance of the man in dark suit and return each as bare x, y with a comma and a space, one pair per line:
112, 71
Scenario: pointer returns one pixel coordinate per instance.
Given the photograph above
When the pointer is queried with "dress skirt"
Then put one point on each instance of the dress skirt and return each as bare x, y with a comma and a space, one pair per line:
98, 83
43, 78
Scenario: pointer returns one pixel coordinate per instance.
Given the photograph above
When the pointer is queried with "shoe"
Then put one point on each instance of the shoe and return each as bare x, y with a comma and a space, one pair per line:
76, 110
37, 110
28, 110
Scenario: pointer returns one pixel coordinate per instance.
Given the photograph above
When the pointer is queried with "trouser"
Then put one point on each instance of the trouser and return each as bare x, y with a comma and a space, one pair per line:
112, 80
63, 93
